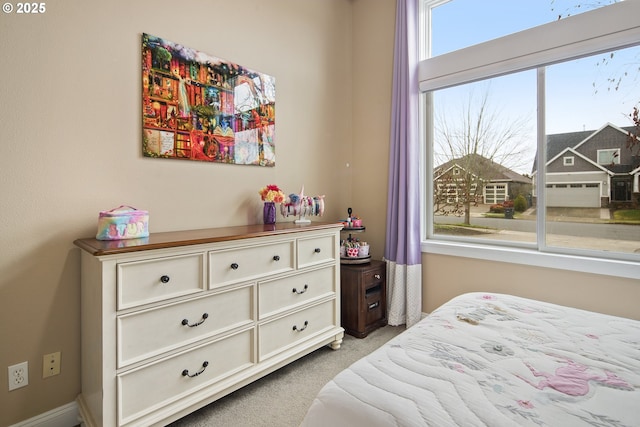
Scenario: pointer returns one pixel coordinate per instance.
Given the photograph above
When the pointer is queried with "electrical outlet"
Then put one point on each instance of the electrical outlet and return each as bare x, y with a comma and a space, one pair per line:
50, 364
18, 375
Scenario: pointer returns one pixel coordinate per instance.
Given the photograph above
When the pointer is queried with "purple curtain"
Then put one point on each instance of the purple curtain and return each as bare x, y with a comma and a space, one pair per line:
402, 247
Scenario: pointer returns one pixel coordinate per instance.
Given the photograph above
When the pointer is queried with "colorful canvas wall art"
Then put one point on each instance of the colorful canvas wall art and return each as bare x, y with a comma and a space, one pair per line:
199, 107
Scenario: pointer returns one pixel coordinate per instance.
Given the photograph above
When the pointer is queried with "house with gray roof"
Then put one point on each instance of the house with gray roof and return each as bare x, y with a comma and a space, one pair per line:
489, 182
591, 169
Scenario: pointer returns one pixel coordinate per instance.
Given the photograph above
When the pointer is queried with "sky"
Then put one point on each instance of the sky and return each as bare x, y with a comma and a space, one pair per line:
477, 21
578, 93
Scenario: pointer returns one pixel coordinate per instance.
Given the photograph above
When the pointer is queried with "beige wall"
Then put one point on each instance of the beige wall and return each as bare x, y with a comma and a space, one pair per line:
70, 135
70, 146
373, 40
445, 277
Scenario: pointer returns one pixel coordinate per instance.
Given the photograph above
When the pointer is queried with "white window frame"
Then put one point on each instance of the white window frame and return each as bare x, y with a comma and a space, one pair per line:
568, 161
615, 158
605, 29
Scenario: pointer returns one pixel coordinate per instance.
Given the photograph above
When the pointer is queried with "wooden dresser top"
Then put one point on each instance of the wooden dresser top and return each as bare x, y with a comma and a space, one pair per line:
172, 239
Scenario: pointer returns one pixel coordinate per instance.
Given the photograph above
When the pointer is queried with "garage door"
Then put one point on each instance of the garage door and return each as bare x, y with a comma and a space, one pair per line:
573, 195
495, 193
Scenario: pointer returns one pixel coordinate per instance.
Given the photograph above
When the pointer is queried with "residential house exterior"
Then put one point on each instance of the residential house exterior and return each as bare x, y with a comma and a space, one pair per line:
489, 182
591, 169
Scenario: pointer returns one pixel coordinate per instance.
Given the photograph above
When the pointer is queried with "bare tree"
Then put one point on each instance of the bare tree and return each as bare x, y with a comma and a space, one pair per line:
566, 11
472, 144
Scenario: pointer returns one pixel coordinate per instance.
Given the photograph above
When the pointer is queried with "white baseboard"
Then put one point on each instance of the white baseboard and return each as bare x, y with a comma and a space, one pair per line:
62, 416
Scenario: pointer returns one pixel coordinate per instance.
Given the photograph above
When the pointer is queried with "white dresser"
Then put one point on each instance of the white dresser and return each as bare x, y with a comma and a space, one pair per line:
175, 321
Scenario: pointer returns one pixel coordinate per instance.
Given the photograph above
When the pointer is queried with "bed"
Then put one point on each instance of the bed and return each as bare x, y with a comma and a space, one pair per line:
493, 360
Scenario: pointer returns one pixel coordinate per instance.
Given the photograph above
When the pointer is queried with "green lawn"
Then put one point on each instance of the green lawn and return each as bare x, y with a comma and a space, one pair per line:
627, 215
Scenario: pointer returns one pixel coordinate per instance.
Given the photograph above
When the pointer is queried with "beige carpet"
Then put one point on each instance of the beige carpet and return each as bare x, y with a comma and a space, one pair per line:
282, 398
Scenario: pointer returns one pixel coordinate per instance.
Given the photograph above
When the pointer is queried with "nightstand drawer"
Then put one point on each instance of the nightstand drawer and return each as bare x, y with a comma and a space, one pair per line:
280, 334
316, 250
247, 263
144, 390
148, 333
143, 282
373, 276
282, 294
373, 304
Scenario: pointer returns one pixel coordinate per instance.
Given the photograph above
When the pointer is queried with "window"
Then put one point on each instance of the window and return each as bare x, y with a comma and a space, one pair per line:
609, 156
517, 107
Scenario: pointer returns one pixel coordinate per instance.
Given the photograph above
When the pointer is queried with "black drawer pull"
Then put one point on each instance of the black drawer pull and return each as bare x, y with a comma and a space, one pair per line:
234, 266
374, 305
377, 276
306, 323
185, 322
276, 257
165, 279
302, 291
316, 250
185, 373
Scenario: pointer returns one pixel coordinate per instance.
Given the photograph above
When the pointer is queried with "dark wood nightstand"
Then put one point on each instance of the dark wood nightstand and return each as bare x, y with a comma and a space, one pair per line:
363, 297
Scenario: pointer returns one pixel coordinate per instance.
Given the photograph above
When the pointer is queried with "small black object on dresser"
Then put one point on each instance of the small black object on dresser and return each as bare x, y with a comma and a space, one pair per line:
363, 297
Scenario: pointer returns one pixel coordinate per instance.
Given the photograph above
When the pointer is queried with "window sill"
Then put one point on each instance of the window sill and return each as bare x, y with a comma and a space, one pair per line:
616, 268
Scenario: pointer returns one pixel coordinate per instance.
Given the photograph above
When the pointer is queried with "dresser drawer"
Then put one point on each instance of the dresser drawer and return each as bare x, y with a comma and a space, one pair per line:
316, 250
157, 279
250, 262
283, 333
151, 332
284, 293
144, 390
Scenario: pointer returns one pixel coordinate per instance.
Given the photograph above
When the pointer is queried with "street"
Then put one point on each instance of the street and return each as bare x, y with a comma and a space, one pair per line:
566, 228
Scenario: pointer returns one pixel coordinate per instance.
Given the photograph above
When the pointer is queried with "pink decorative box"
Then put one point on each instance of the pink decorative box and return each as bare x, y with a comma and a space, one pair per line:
123, 222
352, 252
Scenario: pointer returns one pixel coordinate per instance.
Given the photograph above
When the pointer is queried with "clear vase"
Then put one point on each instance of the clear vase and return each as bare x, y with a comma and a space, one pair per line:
269, 213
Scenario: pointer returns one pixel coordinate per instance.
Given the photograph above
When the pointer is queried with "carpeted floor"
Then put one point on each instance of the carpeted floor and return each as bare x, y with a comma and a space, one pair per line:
282, 398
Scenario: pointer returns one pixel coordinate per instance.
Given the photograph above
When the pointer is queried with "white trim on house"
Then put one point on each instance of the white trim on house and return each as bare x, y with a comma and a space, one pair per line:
636, 179
615, 159
588, 160
571, 177
451, 168
499, 194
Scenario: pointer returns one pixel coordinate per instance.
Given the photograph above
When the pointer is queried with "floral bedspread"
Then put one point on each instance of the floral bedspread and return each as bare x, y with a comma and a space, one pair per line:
493, 360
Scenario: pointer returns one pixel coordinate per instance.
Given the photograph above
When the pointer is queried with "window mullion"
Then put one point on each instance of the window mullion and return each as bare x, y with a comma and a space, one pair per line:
541, 159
